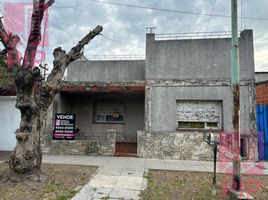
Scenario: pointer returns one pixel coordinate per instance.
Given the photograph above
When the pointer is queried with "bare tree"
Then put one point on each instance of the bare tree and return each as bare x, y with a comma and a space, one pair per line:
34, 99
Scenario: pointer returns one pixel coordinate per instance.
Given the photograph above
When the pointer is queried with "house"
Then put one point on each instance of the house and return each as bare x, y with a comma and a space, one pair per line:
262, 114
161, 107
9, 119
261, 76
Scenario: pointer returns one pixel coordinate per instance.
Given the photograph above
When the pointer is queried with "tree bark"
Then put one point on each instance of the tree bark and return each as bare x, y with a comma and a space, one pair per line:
34, 98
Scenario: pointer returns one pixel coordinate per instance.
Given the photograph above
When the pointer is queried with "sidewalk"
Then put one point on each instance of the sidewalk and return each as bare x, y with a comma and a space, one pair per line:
124, 177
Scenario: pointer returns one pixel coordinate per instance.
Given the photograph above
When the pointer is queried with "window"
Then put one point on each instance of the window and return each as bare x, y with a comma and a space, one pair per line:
198, 114
106, 112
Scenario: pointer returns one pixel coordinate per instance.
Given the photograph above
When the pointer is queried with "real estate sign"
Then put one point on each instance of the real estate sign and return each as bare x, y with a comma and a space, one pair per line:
64, 127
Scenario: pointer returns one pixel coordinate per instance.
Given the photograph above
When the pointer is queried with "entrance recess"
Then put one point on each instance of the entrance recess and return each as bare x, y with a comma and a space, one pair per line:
126, 149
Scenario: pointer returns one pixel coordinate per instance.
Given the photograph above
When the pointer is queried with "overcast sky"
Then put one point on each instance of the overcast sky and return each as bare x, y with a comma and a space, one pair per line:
125, 27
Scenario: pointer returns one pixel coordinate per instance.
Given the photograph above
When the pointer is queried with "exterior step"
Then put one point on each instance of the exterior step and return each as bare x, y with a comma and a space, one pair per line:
118, 154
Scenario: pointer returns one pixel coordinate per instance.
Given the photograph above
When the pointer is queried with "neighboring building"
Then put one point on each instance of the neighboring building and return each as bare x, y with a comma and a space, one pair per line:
261, 88
9, 120
262, 118
262, 93
261, 76
9, 115
165, 104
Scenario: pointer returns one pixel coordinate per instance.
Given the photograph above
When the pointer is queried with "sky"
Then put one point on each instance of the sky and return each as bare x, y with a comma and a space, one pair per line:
125, 27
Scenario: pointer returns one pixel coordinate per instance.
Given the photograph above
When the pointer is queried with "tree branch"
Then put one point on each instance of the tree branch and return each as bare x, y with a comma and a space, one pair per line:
3, 52
10, 42
3, 34
77, 49
39, 7
62, 60
49, 3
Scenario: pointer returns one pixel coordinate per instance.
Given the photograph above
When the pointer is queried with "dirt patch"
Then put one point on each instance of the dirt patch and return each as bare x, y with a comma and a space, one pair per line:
176, 185
59, 182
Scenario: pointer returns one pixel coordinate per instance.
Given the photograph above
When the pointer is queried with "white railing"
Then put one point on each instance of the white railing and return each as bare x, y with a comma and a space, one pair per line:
116, 57
194, 35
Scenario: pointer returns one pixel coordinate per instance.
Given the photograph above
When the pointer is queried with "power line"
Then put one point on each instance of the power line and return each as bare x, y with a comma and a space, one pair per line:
174, 11
212, 12
243, 21
63, 7
44, 36
10, 26
113, 40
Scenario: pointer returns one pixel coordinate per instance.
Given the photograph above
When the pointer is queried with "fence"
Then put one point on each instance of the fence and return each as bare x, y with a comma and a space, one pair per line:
116, 57
194, 35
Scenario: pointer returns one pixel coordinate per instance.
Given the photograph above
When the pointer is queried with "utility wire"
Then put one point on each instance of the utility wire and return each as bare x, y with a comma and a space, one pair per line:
9, 24
212, 12
174, 11
44, 36
63, 7
113, 40
243, 21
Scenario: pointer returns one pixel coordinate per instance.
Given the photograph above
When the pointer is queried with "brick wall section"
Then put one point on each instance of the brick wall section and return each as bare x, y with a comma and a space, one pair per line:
262, 94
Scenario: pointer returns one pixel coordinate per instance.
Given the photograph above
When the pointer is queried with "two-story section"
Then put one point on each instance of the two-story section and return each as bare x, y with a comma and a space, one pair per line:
188, 95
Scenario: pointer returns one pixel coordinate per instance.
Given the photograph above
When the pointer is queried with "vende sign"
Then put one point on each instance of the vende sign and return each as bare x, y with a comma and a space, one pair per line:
64, 127
61, 116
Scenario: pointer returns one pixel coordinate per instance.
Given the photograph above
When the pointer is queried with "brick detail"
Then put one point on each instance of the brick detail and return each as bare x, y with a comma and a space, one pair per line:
262, 94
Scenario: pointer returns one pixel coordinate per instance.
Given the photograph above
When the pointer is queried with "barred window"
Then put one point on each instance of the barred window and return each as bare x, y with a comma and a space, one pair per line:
106, 112
199, 114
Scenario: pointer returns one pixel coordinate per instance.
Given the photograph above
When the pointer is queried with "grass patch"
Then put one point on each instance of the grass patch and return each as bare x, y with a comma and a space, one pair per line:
176, 185
59, 182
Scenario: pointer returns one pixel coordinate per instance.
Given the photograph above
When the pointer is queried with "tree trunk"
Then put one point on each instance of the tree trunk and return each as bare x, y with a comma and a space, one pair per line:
27, 155
34, 99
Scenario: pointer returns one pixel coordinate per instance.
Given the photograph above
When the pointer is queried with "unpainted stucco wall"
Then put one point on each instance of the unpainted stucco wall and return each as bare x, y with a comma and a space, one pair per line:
261, 76
197, 58
162, 111
160, 117
83, 106
120, 70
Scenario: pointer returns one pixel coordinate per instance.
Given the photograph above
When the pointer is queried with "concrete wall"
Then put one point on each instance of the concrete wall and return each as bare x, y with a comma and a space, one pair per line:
198, 69
162, 138
104, 147
162, 104
84, 70
83, 106
9, 121
261, 76
197, 58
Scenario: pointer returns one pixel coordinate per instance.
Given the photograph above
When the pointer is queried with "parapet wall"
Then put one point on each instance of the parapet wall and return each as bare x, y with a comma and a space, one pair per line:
197, 58
106, 71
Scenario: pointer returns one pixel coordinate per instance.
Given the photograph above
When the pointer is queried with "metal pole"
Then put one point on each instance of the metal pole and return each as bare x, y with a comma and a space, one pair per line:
236, 99
214, 183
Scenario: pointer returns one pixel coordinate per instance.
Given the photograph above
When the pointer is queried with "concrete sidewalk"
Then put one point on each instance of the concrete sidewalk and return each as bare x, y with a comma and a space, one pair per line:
124, 177
147, 163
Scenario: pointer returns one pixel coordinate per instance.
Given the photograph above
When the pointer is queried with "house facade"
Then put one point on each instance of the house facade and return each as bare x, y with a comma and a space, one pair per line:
160, 107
